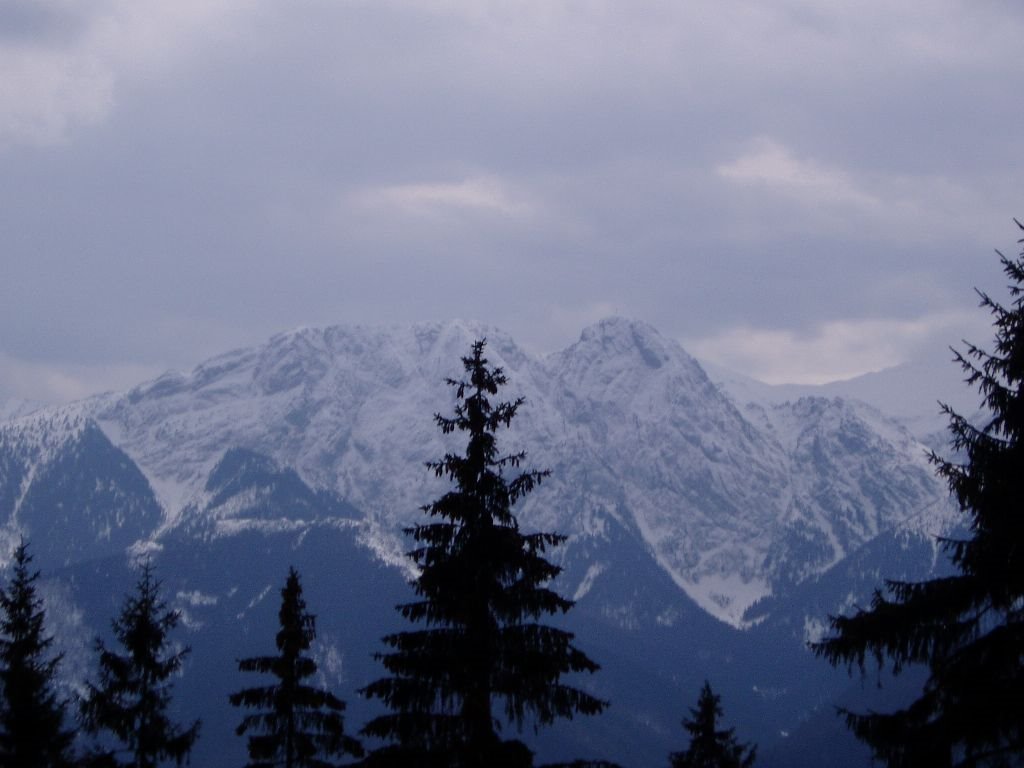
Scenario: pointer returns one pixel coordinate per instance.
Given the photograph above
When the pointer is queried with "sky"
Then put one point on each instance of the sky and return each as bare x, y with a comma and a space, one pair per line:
801, 191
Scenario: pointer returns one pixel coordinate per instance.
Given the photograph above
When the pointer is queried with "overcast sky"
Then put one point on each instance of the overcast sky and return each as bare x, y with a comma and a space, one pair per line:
799, 190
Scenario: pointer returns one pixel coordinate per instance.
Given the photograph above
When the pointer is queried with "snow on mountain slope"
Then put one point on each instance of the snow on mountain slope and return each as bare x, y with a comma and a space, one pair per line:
348, 408
700, 485
854, 472
733, 504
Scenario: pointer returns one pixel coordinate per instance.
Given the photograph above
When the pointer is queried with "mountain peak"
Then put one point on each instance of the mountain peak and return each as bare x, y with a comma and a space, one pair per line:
629, 361
619, 335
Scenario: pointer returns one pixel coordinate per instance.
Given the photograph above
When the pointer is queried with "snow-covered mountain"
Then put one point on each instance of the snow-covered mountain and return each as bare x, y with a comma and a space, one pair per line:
733, 504
688, 510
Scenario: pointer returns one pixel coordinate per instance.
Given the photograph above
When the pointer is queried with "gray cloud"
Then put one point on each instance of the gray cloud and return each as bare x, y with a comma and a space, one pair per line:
41, 22
185, 177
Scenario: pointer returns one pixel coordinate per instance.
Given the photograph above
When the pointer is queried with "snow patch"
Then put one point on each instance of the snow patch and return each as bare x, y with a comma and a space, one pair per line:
727, 596
234, 526
256, 600
142, 551
814, 629
388, 548
196, 598
593, 571
667, 618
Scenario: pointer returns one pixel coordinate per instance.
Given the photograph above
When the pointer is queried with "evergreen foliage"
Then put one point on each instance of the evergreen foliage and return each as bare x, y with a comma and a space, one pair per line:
32, 729
299, 726
711, 747
133, 694
482, 589
967, 628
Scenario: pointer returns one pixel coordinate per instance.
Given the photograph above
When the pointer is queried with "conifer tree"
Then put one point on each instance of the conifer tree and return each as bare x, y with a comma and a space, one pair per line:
299, 726
967, 628
711, 747
133, 694
482, 590
32, 729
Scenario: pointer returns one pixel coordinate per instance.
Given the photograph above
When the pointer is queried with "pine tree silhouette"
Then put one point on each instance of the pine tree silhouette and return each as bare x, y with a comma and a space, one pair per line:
299, 726
133, 694
711, 747
968, 628
482, 589
32, 729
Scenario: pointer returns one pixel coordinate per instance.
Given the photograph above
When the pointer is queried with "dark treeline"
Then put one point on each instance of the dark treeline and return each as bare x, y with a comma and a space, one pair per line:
480, 659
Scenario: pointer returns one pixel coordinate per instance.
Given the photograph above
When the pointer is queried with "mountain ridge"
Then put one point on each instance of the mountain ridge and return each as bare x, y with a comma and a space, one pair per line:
732, 502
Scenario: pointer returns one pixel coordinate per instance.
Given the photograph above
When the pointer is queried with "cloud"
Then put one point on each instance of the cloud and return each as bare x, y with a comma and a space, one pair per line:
44, 382
482, 193
706, 166
46, 92
771, 165
61, 61
832, 351
805, 195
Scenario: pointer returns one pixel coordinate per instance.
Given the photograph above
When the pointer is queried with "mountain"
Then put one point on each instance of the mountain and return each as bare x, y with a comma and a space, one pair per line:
911, 393
702, 531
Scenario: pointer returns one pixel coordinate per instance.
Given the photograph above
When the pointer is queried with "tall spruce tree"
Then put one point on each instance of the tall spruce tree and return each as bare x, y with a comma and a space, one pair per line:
483, 589
32, 729
968, 628
710, 746
299, 726
133, 694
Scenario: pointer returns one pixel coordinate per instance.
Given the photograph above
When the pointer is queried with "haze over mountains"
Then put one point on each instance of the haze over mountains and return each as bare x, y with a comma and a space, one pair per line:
714, 518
